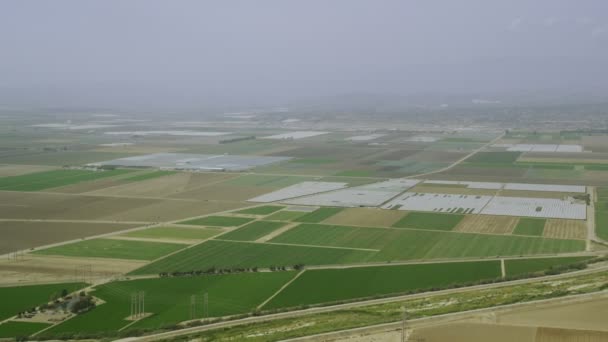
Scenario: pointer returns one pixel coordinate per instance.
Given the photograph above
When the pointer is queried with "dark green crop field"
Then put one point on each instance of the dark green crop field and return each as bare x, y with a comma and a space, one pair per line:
530, 226
227, 254
168, 300
432, 221
332, 285
20, 329
318, 215
52, 179
523, 266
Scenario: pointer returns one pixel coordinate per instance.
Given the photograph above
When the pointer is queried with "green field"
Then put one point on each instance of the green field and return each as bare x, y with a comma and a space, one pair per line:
227, 254
53, 179
494, 157
175, 233
406, 244
253, 231
169, 300
263, 210
429, 221
149, 175
285, 215
530, 226
117, 249
219, 221
318, 215
21, 298
524, 266
20, 329
332, 285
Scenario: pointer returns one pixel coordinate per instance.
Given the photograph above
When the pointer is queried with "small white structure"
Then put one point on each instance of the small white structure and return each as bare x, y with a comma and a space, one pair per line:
365, 137
298, 190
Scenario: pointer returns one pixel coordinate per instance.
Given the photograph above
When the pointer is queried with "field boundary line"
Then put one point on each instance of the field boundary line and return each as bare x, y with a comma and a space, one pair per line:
281, 289
299, 245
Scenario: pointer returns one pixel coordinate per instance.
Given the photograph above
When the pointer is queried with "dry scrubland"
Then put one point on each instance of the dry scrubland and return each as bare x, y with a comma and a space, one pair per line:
487, 224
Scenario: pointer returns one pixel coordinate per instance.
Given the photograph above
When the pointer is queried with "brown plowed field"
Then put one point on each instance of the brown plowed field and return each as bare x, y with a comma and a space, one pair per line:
27, 205
20, 235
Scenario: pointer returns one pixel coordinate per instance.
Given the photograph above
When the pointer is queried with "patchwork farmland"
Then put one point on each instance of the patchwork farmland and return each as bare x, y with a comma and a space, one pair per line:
205, 230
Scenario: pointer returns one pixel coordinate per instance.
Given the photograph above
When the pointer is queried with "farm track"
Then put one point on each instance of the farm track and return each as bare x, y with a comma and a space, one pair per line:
317, 310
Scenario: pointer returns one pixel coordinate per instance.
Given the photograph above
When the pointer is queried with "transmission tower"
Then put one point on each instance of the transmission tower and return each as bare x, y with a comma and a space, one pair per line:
205, 305
142, 300
192, 307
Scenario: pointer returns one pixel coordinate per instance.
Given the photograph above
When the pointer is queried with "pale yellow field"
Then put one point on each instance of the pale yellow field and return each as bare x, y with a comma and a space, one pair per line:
488, 224
46, 268
224, 192
368, 217
16, 170
565, 229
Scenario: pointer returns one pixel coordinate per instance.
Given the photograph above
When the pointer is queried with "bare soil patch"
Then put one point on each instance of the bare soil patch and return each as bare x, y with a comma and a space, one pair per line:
565, 229
20, 235
16, 170
488, 224
84, 207
368, 217
45, 268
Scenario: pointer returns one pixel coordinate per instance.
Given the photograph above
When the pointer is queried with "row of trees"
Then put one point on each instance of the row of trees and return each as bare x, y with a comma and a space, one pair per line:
215, 270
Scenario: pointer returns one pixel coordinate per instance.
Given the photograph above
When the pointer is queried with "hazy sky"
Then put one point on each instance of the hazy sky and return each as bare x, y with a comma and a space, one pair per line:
222, 50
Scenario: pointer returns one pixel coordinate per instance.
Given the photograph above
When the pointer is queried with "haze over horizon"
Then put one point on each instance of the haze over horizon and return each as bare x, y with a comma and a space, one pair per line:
196, 53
